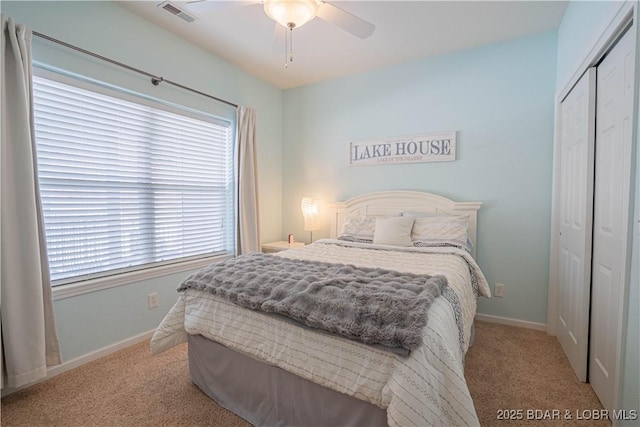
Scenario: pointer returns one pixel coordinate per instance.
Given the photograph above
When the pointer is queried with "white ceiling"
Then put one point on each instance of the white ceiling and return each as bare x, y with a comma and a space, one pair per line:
405, 31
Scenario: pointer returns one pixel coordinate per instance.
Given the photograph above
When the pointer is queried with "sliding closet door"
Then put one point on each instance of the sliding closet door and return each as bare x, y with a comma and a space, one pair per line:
576, 208
614, 111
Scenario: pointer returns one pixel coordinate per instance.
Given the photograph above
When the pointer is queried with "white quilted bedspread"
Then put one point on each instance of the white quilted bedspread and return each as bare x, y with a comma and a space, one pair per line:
426, 388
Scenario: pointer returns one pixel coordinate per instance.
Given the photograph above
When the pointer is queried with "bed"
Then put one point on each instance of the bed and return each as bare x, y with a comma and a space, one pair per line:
272, 370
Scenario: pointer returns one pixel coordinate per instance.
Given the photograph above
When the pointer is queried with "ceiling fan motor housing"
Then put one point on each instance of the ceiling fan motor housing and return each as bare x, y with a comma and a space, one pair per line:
291, 13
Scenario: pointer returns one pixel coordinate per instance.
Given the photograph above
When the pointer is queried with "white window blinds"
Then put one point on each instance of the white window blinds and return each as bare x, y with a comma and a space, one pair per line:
126, 185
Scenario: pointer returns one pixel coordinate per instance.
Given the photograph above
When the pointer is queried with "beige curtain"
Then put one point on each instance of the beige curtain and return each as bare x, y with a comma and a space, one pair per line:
29, 338
248, 219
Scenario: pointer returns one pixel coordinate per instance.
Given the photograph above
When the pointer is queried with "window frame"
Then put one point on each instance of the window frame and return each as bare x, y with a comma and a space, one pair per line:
79, 285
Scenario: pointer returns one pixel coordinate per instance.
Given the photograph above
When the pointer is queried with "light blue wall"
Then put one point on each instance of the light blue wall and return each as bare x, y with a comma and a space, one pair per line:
581, 26
92, 321
96, 320
500, 100
630, 387
631, 368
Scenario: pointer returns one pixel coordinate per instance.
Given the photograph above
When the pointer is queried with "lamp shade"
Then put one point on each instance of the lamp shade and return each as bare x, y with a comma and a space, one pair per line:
310, 212
291, 13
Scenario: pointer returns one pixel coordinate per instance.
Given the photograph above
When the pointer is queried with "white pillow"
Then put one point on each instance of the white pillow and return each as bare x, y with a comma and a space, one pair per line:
358, 228
394, 231
441, 231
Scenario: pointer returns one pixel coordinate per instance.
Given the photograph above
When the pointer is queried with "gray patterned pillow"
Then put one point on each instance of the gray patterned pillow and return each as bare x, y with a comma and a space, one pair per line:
441, 231
358, 228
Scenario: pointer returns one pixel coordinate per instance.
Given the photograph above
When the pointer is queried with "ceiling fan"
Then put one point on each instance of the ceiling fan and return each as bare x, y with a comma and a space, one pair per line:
291, 14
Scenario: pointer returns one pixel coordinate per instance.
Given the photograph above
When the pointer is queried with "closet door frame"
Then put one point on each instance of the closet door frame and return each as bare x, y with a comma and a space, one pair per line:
623, 18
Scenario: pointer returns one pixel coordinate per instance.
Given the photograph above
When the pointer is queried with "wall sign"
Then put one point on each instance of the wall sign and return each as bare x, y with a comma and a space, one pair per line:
430, 147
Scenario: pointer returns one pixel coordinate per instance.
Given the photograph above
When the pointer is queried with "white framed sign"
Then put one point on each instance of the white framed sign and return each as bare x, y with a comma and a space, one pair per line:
429, 147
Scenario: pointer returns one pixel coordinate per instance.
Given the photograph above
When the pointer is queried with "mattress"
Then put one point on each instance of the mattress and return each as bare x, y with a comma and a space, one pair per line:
425, 388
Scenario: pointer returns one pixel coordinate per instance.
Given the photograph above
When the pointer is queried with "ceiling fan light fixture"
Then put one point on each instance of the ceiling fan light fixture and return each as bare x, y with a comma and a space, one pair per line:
291, 13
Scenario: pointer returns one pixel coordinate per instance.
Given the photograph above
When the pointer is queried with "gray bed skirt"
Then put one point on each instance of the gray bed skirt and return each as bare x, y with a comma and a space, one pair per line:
266, 395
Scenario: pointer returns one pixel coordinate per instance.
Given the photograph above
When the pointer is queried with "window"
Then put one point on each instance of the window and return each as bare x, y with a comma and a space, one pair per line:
128, 183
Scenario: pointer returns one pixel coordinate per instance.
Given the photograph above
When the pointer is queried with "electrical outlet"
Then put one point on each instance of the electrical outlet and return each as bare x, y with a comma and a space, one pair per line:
153, 300
498, 290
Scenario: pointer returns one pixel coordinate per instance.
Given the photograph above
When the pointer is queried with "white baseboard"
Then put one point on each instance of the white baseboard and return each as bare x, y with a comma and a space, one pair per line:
512, 322
89, 357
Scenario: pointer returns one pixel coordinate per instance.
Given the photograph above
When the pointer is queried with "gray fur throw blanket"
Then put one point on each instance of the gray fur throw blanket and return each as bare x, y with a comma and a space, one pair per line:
375, 306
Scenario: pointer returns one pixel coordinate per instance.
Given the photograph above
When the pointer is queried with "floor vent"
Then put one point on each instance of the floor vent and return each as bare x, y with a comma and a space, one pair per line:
175, 10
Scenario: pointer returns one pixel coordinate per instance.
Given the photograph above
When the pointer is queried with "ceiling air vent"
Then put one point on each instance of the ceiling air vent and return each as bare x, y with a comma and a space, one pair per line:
175, 10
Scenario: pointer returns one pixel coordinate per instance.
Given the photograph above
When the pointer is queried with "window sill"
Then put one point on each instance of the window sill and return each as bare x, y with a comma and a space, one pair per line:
93, 285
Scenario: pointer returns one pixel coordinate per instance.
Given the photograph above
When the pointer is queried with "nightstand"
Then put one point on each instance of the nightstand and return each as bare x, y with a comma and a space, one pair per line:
282, 245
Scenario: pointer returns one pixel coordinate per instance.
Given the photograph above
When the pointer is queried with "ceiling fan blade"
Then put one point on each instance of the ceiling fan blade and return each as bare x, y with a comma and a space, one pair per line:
205, 6
345, 20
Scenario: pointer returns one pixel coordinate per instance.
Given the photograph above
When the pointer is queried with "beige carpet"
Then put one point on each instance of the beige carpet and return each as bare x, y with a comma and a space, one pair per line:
521, 369
508, 368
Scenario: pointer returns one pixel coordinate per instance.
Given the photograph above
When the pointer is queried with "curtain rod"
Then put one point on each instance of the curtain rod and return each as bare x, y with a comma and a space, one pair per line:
154, 79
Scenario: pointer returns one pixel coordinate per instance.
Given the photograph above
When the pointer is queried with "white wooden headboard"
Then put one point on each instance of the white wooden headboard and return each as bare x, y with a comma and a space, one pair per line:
392, 203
